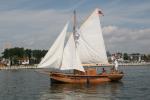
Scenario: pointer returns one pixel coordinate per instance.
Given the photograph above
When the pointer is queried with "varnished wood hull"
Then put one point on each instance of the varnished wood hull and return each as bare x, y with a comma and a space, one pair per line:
94, 79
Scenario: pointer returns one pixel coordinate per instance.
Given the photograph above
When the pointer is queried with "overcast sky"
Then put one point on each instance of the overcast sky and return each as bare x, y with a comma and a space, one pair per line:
36, 23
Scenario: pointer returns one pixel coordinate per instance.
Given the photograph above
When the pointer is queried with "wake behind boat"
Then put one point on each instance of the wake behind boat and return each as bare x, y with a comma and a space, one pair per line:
84, 46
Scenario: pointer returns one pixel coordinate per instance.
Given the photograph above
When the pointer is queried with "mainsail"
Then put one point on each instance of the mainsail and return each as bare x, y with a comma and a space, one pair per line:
54, 56
91, 43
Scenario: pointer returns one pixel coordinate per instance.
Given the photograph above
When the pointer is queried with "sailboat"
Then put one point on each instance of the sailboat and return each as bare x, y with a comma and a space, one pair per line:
75, 60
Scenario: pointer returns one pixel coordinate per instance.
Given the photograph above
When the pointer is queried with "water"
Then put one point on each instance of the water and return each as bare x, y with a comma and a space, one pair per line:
27, 84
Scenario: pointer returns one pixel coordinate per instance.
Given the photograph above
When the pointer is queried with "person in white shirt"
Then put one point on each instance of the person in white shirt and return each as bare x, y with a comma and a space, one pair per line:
116, 64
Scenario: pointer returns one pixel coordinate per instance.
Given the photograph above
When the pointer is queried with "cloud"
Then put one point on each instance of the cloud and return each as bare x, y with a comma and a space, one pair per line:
131, 14
39, 28
36, 24
126, 40
110, 29
31, 28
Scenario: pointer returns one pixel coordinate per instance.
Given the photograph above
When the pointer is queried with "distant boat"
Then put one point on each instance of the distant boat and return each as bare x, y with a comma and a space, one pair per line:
84, 47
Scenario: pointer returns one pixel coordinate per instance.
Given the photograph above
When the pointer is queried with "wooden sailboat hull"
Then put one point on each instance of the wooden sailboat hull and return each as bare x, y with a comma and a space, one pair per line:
69, 78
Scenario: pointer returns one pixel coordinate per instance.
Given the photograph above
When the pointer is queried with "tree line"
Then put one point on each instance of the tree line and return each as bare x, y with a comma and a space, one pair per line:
34, 56
14, 54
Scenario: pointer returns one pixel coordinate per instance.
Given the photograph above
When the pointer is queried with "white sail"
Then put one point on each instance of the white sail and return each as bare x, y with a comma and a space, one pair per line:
91, 44
90, 49
53, 57
71, 58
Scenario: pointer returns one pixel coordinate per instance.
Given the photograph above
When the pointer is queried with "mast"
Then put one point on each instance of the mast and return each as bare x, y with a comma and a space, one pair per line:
75, 34
74, 23
74, 30
71, 59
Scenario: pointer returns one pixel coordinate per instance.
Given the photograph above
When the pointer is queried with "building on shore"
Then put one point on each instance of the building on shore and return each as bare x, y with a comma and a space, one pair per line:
127, 58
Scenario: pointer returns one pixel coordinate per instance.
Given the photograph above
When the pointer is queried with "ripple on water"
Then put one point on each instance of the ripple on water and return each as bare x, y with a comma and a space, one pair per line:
30, 85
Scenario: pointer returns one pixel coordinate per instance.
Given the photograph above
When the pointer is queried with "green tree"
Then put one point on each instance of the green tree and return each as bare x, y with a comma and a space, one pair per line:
14, 54
38, 54
125, 56
6, 54
145, 58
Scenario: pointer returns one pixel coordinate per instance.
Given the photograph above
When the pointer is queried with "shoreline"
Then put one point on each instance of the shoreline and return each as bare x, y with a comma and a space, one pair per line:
134, 64
19, 67
35, 66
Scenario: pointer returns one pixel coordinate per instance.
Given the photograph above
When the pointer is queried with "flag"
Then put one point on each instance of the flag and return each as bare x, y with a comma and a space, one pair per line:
100, 12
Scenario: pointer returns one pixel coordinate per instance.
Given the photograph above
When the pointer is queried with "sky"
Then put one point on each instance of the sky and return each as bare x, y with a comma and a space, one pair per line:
35, 24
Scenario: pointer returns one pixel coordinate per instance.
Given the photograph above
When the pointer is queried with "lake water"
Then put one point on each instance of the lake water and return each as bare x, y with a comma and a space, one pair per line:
27, 84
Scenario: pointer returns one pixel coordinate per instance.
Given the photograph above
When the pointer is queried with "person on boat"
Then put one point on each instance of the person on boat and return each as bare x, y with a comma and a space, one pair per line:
103, 70
116, 64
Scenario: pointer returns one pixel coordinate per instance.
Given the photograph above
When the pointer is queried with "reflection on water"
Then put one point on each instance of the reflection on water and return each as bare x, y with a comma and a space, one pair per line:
30, 85
83, 91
